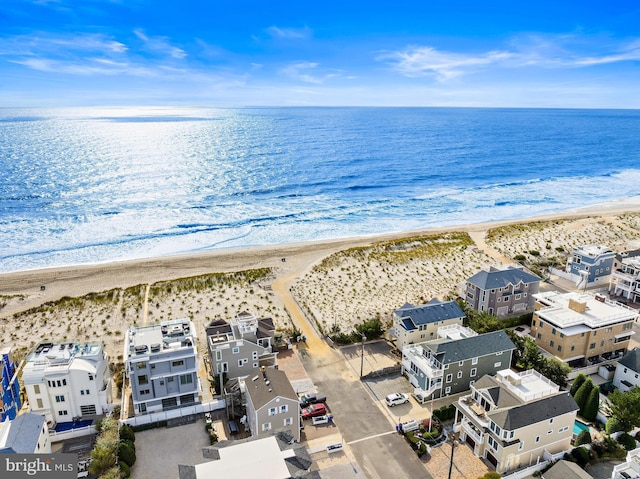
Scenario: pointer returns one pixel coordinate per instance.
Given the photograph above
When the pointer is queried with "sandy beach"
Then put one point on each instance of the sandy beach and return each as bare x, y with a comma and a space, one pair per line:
338, 283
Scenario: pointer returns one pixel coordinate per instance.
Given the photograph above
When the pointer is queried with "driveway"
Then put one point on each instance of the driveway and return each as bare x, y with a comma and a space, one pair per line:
465, 464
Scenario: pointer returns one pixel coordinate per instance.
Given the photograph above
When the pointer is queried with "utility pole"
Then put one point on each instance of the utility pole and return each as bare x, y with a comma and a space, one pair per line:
364, 338
452, 436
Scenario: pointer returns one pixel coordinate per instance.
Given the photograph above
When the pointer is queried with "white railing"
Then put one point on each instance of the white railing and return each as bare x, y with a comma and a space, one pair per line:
200, 408
71, 433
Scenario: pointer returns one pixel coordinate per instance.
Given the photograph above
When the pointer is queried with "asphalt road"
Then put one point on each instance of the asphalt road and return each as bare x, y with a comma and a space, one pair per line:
379, 450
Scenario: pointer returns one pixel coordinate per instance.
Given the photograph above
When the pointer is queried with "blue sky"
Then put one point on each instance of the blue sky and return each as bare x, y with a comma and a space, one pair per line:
242, 53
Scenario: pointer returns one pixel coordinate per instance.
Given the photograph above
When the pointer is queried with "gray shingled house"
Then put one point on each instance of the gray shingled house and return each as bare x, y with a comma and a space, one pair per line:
450, 366
501, 292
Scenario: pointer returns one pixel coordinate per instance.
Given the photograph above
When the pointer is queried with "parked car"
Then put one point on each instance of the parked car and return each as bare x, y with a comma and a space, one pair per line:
314, 410
396, 398
312, 398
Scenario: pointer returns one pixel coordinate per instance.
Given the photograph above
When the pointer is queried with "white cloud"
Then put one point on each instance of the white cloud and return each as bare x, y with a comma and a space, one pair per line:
295, 33
160, 45
427, 61
303, 71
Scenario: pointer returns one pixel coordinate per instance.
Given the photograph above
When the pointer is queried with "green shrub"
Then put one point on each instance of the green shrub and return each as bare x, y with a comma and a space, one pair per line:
125, 470
613, 425
590, 410
126, 433
491, 475
582, 394
520, 257
213, 438
583, 438
627, 441
577, 382
581, 455
534, 252
638, 436
126, 454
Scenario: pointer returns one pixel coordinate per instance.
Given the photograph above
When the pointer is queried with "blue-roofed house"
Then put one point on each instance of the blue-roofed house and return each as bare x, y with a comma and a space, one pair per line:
449, 366
501, 292
9, 386
26, 434
416, 324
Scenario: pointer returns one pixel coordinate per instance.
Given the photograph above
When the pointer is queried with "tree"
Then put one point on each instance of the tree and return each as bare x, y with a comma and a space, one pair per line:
583, 438
582, 394
625, 407
126, 433
555, 370
591, 406
577, 382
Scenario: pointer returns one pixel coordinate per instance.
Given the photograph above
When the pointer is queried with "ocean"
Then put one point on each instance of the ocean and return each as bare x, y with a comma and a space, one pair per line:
97, 185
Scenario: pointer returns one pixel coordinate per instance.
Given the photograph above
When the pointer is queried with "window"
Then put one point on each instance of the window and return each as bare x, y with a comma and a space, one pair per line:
498, 364
266, 426
474, 361
551, 421
447, 390
518, 296
471, 382
82, 392
36, 388
288, 421
551, 343
90, 377
144, 391
40, 405
59, 383
141, 365
521, 446
553, 331
284, 408
177, 363
592, 346
59, 398
459, 375
255, 365
235, 350
143, 379
499, 353
449, 377
186, 379
218, 355
63, 412
473, 372
550, 431
254, 355
539, 335
272, 411
608, 330
461, 363
573, 348
533, 323
537, 439
627, 326
559, 347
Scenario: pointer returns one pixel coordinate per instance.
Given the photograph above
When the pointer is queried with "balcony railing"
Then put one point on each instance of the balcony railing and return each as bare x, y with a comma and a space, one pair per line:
473, 410
472, 431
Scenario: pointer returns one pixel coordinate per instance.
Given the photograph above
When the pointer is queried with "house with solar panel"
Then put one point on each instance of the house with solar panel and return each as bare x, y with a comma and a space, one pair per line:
515, 420
417, 324
501, 292
452, 364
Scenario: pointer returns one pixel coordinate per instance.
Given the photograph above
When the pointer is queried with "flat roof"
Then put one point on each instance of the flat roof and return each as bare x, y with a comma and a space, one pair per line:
260, 458
57, 354
597, 312
159, 337
527, 385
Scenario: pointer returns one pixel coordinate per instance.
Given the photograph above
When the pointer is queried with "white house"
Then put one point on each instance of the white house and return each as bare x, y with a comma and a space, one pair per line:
627, 373
26, 434
67, 381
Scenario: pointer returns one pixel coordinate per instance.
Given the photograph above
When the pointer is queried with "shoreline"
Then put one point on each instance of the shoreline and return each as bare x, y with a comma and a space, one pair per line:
79, 280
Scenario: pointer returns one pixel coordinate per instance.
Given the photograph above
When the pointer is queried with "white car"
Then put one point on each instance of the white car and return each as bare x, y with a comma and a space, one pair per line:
396, 398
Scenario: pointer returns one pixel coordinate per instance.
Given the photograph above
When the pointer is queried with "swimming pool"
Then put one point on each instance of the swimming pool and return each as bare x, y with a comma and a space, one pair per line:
578, 427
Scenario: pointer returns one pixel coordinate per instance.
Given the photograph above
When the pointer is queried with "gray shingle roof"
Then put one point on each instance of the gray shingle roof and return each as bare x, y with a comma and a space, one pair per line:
24, 433
431, 312
631, 360
495, 279
453, 350
261, 392
534, 412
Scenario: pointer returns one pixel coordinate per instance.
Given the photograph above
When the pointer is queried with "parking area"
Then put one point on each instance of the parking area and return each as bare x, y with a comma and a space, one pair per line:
159, 451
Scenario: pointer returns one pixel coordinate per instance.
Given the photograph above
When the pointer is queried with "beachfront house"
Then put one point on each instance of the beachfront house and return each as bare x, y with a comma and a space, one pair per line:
590, 265
582, 328
162, 366
272, 404
627, 374
416, 324
501, 292
10, 402
26, 434
68, 381
516, 419
241, 346
624, 283
451, 365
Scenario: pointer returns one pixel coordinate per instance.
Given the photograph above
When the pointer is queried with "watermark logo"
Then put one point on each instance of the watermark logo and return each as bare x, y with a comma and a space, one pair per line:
50, 466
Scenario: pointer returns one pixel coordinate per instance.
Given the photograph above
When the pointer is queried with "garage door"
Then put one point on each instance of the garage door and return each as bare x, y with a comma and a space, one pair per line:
492, 459
471, 442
